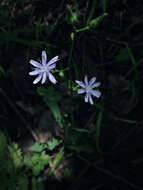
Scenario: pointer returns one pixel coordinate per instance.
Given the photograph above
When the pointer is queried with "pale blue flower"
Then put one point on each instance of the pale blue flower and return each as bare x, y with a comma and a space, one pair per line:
87, 87
43, 69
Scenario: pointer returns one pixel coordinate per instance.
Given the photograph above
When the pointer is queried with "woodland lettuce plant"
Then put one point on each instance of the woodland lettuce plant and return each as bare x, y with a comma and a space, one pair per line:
43, 70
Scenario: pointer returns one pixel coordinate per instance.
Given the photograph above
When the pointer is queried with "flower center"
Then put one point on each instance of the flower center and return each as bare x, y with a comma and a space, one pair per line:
44, 68
88, 89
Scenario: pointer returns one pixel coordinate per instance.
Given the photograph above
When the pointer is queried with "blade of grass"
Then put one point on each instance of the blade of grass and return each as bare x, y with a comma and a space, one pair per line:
132, 59
82, 29
125, 120
38, 31
104, 6
92, 11
56, 161
98, 127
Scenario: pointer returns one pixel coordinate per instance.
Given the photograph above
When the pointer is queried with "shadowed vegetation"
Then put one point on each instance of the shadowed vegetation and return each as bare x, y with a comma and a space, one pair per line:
77, 132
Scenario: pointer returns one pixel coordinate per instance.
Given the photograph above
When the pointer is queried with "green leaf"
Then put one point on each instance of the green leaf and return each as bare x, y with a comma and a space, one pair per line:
72, 36
94, 22
56, 161
37, 147
15, 154
71, 16
28, 162
35, 159
81, 130
37, 169
3, 142
53, 143
49, 94
44, 159
51, 98
56, 112
2, 71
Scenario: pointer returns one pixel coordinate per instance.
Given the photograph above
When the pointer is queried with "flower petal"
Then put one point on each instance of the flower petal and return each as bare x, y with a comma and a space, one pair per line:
97, 84
34, 63
52, 66
92, 81
80, 91
37, 79
44, 58
90, 99
80, 83
53, 60
44, 77
95, 93
52, 78
35, 72
86, 98
86, 80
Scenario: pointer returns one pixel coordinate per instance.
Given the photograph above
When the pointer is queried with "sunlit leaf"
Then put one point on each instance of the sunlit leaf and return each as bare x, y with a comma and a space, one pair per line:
53, 143
37, 147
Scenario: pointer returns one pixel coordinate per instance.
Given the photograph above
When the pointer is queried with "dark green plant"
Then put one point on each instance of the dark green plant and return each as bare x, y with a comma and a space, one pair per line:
39, 159
50, 145
12, 177
37, 162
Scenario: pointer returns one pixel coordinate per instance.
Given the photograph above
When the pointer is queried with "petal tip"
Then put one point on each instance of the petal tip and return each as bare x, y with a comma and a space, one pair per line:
35, 82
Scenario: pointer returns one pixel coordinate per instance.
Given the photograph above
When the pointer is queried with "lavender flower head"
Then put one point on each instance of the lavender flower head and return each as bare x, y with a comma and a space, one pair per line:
43, 69
87, 87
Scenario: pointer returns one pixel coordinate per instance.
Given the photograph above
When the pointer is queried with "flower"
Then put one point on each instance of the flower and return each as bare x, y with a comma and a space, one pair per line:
87, 87
43, 69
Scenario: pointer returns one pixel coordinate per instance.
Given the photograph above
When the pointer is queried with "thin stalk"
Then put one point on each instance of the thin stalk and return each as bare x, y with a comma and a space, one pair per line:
91, 13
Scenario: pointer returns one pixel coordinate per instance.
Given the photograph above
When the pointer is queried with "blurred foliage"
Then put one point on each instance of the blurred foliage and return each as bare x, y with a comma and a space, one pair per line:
2, 71
103, 141
37, 162
11, 174
40, 160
